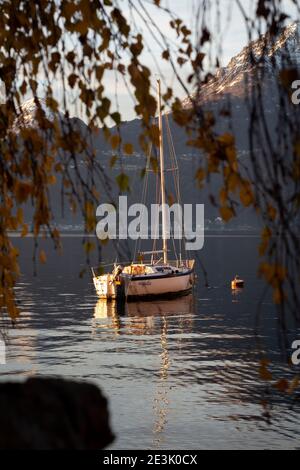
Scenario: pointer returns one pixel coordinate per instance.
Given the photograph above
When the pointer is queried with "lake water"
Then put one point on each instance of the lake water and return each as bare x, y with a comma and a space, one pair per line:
180, 374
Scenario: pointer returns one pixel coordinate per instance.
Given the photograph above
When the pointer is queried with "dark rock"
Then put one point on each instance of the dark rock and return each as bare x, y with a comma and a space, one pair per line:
51, 413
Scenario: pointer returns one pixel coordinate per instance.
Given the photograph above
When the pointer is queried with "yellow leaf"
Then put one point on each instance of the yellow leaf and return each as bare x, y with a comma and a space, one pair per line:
233, 181
226, 139
272, 212
246, 195
200, 175
12, 309
58, 168
123, 182
20, 216
113, 161
90, 216
231, 155
51, 179
115, 141
154, 164
24, 231
43, 257
128, 149
223, 196
278, 296
226, 213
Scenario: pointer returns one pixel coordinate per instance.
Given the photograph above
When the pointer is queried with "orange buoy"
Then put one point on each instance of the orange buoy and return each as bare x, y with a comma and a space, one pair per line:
237, 283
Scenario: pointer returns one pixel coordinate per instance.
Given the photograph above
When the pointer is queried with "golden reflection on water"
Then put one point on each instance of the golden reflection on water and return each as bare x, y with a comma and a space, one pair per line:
161, 399
107, 311
143, 318
146, 318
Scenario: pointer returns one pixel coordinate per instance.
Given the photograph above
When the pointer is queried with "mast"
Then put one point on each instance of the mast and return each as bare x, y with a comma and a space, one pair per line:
162, 177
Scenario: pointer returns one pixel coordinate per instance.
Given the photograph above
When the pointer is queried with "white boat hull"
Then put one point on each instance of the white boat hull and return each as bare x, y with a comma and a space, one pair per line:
105, 287
140, 281
160, 286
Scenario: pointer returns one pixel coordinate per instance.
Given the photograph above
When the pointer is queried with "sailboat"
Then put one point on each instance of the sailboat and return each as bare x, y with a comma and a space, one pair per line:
158, 277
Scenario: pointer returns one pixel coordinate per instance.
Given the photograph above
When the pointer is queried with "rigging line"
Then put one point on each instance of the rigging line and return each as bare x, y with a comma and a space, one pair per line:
175, 175
144, 193
174, 160
174, 244
157, 201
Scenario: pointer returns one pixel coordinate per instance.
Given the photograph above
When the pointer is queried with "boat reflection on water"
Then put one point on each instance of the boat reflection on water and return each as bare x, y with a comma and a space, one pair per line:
107, 316
236, 293
143, 317
151, 318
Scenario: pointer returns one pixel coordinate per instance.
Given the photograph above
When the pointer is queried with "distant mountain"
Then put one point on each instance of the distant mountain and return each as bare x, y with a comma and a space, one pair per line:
259, 62
256, 61
28, 112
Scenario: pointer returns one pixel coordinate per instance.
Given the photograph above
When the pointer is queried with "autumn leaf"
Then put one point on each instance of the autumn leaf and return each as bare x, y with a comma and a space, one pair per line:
153, 133
288, 76
22, 191
12, 309
264, 373
282, 385
116, 117
113, 161
20, 216
246, 195
278, 296
43, 257
294, 384
24, 231
226, 139
166, 55
51, 179
123, 182
226, 213
128, 149
72, 79
200, 175
223, 196
90, 216
52, 103
272, 212
115, 141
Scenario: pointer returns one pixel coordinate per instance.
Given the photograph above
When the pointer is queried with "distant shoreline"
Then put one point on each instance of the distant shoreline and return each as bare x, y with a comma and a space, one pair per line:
208, 234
